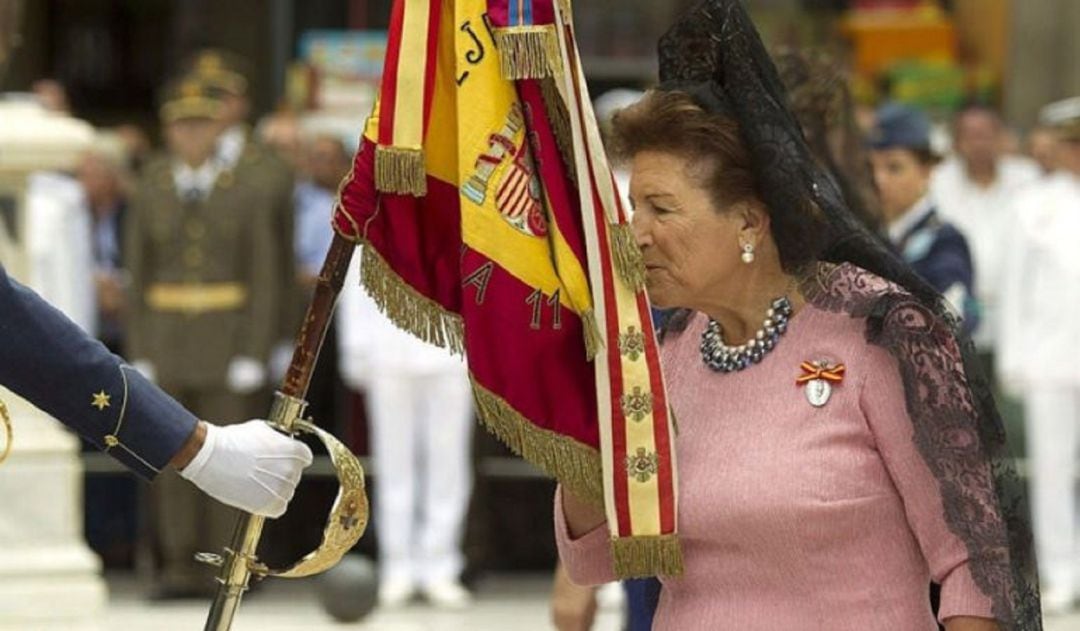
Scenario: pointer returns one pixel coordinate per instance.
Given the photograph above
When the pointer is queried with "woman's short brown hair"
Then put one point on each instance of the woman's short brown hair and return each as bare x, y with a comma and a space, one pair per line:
672, 122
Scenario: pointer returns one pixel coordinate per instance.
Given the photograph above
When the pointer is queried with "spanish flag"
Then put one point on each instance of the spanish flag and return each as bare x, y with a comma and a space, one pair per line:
492, 227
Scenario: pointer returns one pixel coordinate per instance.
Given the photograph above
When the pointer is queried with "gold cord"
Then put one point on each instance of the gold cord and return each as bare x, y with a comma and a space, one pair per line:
6, 420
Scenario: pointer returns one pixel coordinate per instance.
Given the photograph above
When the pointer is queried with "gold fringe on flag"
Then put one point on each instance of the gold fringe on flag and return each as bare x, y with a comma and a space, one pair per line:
528, 52
594, 340
627, 256
401, 171
559, 117
572, 463
642, 557
407, 308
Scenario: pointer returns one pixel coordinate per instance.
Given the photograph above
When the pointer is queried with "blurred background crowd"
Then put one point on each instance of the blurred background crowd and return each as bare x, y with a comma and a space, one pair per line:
179, 161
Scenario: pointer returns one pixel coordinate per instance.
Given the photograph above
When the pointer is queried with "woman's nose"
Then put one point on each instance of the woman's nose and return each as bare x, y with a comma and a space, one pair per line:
639, 225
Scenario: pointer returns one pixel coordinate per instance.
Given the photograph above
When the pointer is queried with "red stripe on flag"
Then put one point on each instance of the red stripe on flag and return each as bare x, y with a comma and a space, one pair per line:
661, 435
618, 420
388, 94
434, 36
665, 481
509, 185
519, 202
553, 170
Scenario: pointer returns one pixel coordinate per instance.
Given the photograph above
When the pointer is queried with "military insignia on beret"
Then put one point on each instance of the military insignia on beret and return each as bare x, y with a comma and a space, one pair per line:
190, 89
210, 62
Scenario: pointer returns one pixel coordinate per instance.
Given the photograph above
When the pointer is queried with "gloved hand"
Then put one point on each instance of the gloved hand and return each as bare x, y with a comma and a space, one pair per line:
245, 375
249, 466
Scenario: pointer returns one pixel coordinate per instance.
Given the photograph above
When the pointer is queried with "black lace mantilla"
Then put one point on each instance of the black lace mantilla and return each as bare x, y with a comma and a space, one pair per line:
715, 54
961, 438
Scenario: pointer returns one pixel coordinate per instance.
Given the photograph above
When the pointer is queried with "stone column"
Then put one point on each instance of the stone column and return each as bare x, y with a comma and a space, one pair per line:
48, 575
1044, 48
49, 578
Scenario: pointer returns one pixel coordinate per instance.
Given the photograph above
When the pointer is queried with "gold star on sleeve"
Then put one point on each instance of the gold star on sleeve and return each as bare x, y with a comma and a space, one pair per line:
101, 401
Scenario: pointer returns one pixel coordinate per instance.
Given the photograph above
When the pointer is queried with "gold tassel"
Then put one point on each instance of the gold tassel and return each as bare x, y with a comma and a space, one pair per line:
528, 52
407, 308
573, 464
594, 340
400, 171
559, 117
645, 556
627, 255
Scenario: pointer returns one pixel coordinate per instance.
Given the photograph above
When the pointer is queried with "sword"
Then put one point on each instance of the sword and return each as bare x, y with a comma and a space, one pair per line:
349, 515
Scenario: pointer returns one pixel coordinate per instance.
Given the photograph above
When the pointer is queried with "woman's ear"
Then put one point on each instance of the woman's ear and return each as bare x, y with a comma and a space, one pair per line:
754, 220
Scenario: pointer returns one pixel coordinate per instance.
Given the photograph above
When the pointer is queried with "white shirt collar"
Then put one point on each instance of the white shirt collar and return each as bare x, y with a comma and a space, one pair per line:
901, 226
198, 180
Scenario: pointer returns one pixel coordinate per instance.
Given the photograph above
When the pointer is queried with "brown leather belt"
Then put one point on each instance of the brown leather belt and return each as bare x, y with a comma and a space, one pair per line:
196, 298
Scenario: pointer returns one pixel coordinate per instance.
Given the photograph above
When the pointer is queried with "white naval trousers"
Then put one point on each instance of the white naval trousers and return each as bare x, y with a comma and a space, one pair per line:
1052, 418
421, 432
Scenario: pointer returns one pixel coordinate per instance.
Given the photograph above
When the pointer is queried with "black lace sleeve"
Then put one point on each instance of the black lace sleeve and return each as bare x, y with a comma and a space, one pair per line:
961, 440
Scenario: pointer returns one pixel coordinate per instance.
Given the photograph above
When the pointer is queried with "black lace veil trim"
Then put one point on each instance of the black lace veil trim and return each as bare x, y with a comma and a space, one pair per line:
715, 54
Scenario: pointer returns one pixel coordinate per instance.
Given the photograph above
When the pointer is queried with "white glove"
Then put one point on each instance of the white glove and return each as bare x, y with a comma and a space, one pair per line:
249, 466
146, 369
245, 375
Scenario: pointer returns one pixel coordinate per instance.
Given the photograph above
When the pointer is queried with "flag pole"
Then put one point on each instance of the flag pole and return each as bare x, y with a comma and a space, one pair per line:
239, 561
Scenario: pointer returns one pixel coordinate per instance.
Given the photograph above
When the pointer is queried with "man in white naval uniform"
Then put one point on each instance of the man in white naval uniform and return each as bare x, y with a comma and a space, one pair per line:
973, 190
1040, 338
419, 405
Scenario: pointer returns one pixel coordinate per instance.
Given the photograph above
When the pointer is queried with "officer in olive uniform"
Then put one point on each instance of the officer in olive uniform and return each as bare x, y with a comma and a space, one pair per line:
252, 163
48, 360
203, 257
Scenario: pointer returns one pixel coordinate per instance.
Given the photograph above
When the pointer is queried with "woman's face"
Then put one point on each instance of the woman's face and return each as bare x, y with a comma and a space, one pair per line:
901, 180
691, 248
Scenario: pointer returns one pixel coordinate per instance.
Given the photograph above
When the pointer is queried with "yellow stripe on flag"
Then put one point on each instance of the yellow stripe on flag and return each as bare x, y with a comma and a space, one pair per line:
412, 64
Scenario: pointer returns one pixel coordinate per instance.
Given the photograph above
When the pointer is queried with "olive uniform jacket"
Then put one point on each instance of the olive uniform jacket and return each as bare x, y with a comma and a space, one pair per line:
260, 166
204, 276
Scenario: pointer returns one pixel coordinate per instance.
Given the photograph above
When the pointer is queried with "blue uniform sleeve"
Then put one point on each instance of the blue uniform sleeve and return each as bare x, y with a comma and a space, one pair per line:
49, 361
949, 264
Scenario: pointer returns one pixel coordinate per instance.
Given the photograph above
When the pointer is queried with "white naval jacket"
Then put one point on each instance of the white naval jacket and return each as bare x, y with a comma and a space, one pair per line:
982, 215
368, 341
1039, 339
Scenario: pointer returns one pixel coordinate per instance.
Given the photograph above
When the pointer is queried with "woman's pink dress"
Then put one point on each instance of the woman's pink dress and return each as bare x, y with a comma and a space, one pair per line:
794, 517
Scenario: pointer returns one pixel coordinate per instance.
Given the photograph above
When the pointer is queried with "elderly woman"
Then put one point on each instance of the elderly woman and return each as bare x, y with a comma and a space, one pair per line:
835, 455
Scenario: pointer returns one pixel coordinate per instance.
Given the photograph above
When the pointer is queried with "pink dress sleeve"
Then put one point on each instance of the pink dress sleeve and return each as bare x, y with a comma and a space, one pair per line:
587, 559
884, 405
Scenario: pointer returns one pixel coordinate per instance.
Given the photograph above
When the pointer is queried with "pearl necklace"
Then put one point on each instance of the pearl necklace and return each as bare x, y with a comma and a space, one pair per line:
723, 358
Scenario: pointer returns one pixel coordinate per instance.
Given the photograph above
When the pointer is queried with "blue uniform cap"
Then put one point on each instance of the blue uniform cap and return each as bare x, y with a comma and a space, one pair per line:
900, 127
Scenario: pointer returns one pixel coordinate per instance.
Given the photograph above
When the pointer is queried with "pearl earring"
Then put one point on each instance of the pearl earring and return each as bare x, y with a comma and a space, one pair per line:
748, 253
